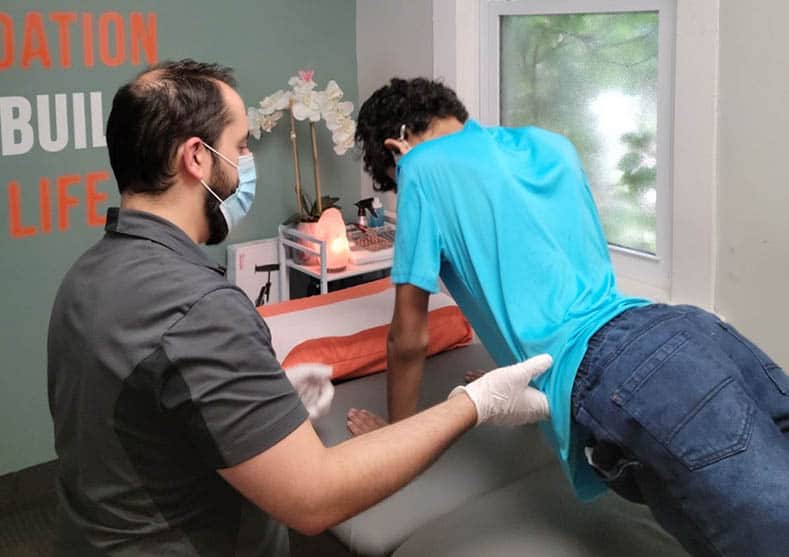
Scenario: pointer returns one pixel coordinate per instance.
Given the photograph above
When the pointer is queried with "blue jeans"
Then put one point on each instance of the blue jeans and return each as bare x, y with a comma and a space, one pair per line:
683, 413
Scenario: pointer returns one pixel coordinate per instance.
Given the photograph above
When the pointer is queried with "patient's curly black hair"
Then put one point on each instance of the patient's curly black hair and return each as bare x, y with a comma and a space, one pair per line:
413, 102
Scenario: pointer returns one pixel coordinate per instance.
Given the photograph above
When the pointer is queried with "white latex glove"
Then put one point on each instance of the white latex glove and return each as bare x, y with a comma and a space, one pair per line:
503, 396
313, 383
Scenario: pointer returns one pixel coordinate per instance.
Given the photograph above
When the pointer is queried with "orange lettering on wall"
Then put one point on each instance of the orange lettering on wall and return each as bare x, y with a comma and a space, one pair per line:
93, 197
18, 230
87, 39
116, 20
44, 205
142, 37
7, 26
65, 200
63, 21
35, 41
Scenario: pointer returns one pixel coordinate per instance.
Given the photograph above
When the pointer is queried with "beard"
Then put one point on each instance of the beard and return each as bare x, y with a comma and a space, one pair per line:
223, 185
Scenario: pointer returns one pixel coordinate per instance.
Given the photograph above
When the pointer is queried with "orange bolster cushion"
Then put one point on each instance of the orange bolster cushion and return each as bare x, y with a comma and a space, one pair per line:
364, 351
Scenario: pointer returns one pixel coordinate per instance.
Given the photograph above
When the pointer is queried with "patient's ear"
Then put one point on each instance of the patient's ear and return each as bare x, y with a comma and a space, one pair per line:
397, 145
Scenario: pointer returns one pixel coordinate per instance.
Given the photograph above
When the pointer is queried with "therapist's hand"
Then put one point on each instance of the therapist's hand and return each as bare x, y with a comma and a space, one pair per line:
503, 396
313, 383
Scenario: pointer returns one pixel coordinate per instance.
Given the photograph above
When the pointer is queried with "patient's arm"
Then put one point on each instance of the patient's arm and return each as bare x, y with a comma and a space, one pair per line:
406, 350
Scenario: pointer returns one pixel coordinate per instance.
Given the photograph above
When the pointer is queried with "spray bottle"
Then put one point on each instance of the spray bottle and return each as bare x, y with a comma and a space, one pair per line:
364, 206
377, 215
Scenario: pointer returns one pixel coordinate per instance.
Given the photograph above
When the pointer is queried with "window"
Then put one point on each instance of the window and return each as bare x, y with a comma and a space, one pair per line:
600, 74
682, 269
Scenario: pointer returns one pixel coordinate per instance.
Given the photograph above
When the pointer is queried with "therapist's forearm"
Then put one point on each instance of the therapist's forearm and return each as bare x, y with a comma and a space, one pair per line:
405, 357
388, 458
309, 487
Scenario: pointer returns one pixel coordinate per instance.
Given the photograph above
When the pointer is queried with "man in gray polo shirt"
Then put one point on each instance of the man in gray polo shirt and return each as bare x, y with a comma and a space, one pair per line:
174, 423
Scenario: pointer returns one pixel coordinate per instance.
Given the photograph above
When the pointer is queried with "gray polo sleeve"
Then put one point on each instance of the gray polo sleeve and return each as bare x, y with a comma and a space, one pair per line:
224, 381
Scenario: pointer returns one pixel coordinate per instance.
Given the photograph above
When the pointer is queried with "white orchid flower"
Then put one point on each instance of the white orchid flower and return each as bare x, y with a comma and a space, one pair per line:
343, 131
345, 108
332, 120
254, 121
302, 82
283, 101
268, 121
338, 121
336, 112
333, 92
276, 101
258, 120
307, 105
300, 86
342, 148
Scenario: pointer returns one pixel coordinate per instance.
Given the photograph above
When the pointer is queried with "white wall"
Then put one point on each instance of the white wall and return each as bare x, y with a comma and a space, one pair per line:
753, 187
394, 38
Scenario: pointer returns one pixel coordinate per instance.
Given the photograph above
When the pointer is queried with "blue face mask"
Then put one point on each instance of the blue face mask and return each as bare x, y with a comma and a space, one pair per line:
238, 204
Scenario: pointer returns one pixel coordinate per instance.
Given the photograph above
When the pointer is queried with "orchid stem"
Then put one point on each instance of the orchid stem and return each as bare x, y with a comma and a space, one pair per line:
296, 170
316, 168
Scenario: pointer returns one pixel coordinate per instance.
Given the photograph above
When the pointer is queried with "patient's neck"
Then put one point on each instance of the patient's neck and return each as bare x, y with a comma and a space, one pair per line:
439, 127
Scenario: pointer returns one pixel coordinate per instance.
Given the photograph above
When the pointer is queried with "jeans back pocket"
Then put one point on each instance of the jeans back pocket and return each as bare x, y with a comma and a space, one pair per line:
686, 395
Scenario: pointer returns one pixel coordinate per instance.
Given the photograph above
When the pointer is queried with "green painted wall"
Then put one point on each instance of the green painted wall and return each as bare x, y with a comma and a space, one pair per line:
265, 41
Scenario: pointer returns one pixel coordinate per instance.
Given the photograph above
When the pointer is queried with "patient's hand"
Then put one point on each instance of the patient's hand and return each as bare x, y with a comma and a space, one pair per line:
362, 421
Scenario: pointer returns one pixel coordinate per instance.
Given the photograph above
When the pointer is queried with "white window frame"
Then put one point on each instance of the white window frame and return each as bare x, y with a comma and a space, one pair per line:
684, 269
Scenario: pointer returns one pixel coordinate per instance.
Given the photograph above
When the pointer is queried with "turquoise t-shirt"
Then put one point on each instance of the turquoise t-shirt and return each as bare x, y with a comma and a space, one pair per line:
505, 217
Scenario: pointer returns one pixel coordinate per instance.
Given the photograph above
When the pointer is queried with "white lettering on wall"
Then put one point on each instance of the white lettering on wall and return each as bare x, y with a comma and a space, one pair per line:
15, 114
17, 133
97, 120
45, 139
78, 112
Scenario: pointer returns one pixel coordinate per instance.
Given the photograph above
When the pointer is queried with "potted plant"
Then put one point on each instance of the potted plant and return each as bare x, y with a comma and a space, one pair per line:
303, 102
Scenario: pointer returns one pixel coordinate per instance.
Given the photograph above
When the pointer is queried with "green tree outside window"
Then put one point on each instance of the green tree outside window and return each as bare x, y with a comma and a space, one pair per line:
592, 78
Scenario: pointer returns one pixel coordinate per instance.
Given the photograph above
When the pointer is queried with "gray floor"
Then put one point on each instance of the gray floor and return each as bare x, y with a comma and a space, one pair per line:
28, 531
27, 511
323, 545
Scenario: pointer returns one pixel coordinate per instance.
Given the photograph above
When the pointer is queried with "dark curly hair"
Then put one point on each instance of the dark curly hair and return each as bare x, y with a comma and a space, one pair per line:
413, 102
155, 112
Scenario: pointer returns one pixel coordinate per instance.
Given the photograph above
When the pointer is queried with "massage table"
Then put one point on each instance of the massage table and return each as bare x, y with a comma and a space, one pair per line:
496, 492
